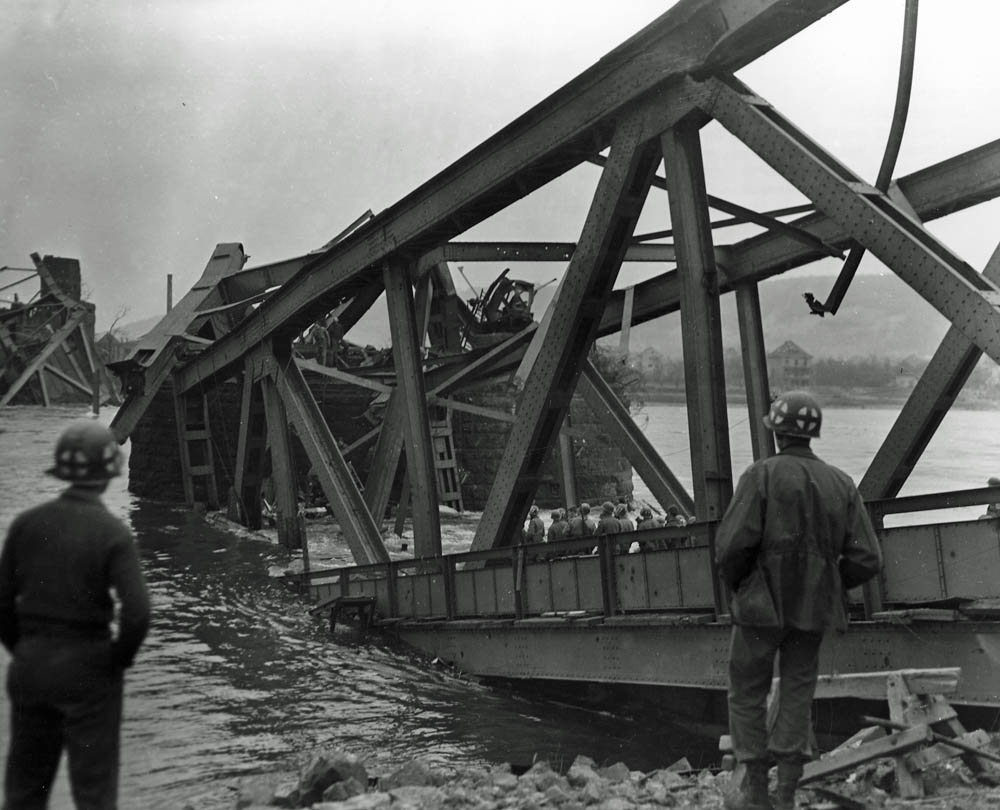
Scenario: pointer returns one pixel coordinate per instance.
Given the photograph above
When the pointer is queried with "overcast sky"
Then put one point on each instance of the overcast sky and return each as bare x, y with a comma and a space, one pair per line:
137, 134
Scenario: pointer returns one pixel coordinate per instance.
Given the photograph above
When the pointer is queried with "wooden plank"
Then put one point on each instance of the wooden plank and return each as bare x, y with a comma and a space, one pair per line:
907, 615
928, 757
891, 745
872, 685
902, 702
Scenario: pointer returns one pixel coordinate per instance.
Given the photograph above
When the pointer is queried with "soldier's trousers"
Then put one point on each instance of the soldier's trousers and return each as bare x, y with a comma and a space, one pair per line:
64, 694
751, 667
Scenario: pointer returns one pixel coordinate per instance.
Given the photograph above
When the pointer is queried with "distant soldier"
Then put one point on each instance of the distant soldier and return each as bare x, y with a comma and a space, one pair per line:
336, 333
583, 524
60, 563
559, 527
674, 517
607, 523
322, 340
624, 521
536, 528
795, 537
993, 509
646, 519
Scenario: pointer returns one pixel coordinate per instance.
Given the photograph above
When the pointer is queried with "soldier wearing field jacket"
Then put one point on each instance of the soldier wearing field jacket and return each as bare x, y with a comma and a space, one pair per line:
794, 539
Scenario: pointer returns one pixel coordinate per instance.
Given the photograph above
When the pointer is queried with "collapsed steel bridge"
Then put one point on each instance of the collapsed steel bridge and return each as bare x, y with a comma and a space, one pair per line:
638, 110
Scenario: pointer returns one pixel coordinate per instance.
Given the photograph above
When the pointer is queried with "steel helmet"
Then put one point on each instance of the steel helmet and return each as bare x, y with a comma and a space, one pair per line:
795, 413
87, 452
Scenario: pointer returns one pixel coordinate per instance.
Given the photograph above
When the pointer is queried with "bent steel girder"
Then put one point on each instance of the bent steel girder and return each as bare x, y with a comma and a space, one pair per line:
573, 319
924, 409
618, 424
943, 188
556, 135
420, 467
353, 517
950, 285
387, 458
153, 357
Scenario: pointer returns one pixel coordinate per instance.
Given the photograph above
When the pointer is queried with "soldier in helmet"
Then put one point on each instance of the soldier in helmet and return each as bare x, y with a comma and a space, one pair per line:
795, 537
60, 562
536, 527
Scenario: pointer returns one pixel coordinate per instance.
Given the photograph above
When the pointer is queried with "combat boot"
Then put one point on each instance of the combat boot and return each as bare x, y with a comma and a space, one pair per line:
789, 774
751, 792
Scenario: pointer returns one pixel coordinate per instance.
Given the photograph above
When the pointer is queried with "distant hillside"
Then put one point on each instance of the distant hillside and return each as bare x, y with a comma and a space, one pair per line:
880, 316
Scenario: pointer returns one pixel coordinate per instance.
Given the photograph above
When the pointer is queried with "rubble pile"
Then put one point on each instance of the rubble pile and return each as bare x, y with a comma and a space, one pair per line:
337, 780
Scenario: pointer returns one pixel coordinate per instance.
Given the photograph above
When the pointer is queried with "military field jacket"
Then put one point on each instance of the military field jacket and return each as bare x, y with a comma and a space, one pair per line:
794, 538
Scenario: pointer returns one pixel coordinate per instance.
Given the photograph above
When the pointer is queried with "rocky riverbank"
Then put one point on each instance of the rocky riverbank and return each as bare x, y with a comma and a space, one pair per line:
338, 780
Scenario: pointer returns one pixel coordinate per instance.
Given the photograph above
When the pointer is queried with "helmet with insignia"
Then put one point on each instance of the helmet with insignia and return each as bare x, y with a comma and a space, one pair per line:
795, 413
87, 453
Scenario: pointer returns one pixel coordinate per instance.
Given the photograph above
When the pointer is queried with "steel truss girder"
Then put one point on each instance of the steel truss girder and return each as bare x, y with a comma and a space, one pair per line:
348, 506
154, 355
420, 468
755, 379
574, 316
388, 457
250, 450
290, 531
951, 286
563, 131
665, 653
924, 409
533, 252
618, 424
76, 318
701, 321
938, 190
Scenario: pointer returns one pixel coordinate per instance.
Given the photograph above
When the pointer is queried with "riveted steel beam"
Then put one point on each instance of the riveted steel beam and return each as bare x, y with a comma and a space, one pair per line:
701, 321
387, 458
153, 357
938, 190
251, 448
550, 139
416, 426
969, 301
618, 424
924, 409
754, 368
335, 478
574, 316
291, 532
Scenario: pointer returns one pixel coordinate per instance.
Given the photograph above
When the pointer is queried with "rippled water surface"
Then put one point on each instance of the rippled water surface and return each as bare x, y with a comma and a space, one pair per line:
236, 677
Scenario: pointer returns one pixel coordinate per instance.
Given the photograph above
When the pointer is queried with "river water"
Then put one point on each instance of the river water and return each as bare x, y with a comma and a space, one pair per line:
237, 678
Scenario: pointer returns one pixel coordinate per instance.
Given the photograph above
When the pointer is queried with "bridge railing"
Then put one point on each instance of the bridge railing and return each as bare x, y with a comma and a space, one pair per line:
672, 570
